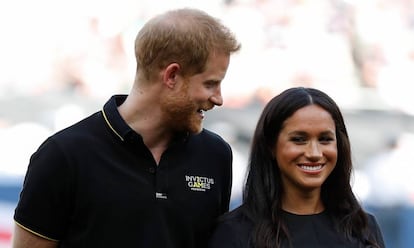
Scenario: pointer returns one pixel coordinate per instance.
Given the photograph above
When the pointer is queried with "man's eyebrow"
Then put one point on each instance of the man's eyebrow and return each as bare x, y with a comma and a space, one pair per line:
214, 81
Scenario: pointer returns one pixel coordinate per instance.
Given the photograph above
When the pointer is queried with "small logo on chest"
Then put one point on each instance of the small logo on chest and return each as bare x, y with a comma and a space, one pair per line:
199, 183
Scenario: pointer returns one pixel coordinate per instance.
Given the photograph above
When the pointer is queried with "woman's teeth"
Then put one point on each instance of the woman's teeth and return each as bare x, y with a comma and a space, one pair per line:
311, 168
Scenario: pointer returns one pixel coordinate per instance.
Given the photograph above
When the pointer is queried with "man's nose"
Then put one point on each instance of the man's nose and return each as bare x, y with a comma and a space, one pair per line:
217, 98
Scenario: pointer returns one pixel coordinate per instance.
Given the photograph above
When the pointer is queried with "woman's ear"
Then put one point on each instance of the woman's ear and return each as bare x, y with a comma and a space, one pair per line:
170, 74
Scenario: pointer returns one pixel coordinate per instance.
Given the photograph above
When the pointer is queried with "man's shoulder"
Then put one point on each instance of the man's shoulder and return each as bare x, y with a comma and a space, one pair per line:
81, 128
209, 143
210, 136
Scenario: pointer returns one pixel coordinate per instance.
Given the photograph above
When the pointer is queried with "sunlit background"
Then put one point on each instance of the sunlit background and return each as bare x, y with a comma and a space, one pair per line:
61, 60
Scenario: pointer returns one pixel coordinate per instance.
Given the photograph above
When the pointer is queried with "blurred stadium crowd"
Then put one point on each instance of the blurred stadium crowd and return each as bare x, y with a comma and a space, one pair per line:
61, 60
87, 46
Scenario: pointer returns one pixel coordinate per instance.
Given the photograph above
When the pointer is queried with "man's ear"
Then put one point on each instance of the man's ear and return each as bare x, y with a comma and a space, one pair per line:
170, 74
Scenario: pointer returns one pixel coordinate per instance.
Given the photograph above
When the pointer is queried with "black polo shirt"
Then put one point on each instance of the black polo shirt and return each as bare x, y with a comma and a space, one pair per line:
95, 184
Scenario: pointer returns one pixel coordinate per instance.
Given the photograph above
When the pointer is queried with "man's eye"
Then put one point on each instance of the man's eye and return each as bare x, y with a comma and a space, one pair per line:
210, 84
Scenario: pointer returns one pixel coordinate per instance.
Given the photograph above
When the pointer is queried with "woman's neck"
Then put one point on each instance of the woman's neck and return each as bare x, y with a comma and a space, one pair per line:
303, 203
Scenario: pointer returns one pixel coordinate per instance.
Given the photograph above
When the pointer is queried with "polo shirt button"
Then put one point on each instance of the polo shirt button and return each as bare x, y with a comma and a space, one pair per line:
151, 170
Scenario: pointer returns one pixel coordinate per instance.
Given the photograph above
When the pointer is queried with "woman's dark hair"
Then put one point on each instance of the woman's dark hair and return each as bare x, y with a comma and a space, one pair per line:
263, 190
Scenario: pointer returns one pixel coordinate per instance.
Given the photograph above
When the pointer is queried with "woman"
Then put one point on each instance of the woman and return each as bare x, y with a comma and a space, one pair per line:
298, 192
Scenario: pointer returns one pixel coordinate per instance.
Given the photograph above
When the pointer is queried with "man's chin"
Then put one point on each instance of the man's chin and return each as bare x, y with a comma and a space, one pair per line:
195, 129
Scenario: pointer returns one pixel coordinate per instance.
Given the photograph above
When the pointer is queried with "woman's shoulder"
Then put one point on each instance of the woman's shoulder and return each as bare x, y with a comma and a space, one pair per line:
375, 230
372, 221
236, 220
233, 230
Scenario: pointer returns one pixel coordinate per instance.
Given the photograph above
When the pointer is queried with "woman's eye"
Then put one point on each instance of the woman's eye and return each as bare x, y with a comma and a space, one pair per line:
298, 139
326, 139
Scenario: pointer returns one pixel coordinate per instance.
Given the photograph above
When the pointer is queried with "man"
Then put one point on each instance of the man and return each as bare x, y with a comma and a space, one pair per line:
142, 172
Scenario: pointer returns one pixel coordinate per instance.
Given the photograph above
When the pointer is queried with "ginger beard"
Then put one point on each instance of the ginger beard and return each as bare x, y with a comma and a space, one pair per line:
181, 112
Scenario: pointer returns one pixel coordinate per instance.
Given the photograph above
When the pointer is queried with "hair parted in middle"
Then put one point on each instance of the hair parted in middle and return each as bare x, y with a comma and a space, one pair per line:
263, 190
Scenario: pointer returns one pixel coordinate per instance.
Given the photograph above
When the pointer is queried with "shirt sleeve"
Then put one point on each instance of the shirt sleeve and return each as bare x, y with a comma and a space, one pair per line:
44, 203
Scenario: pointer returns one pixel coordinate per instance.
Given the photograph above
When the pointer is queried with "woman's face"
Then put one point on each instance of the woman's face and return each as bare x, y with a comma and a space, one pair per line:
306, 150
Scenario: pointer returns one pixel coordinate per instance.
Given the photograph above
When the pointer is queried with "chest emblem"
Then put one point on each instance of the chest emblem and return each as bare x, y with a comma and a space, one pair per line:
199, 183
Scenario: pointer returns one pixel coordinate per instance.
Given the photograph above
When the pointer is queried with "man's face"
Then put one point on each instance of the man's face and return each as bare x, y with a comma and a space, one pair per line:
184, 108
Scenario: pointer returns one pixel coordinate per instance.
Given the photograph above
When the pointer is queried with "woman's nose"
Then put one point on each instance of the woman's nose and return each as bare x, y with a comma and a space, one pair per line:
313, 150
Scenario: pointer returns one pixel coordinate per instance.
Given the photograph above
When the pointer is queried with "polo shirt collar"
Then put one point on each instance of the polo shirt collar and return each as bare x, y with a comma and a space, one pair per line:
118, 125
113, 118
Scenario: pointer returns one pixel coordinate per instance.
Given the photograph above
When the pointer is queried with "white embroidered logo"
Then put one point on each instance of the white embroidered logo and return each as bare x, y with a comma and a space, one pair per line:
199, 183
